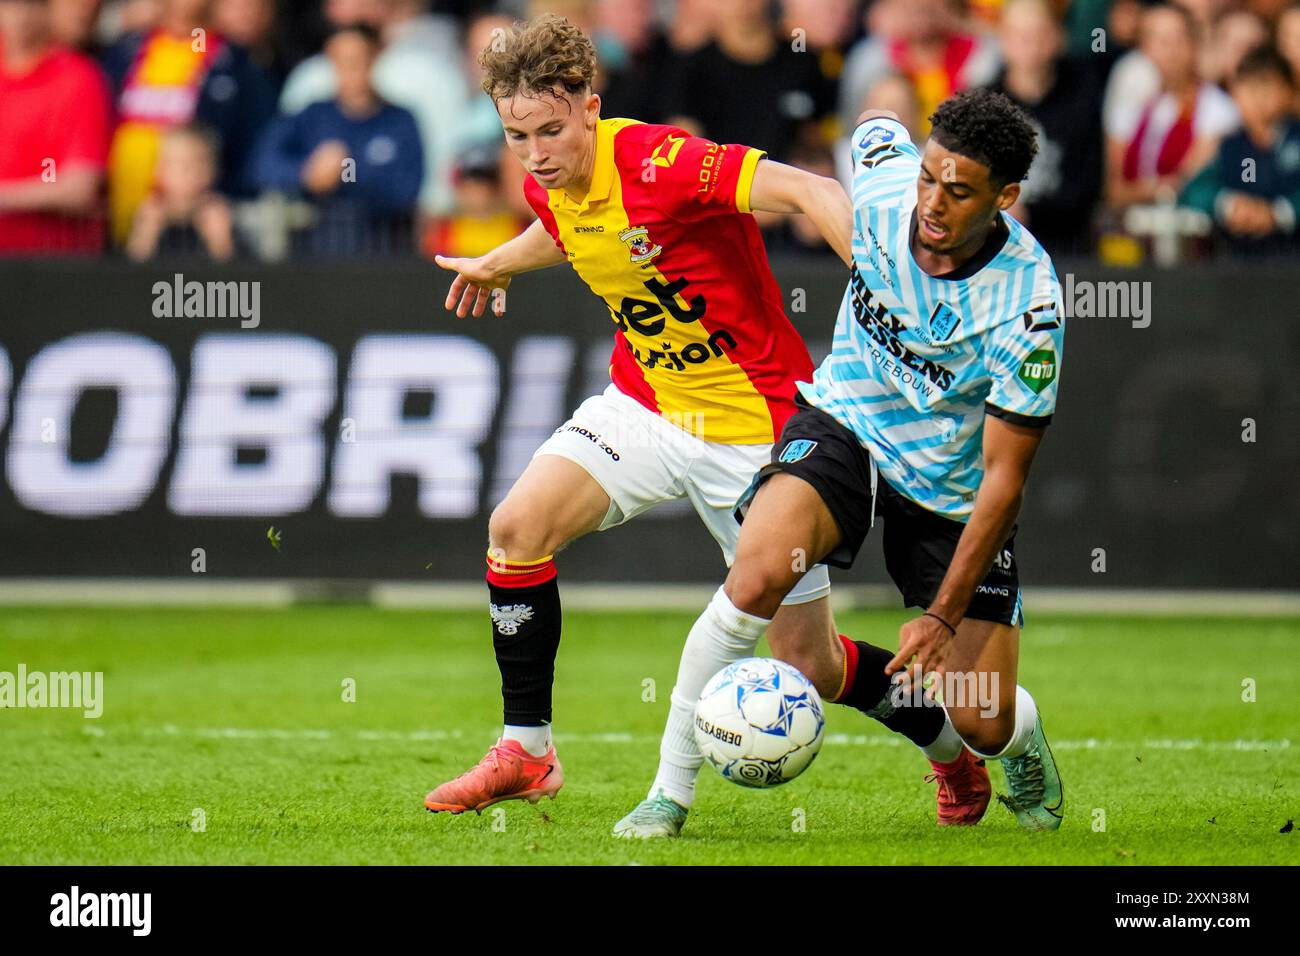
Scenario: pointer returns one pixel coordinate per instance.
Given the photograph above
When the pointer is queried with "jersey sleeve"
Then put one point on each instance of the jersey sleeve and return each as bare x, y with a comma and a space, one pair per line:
694, 178
885, 164
1023, 358
882, 144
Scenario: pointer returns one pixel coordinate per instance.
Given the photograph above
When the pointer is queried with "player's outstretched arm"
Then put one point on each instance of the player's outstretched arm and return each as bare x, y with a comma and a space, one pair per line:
781, 188
876, 114
1008, 452
477, 279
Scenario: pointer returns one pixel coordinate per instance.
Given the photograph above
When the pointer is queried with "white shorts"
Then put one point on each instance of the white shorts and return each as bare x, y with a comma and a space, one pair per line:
642, 460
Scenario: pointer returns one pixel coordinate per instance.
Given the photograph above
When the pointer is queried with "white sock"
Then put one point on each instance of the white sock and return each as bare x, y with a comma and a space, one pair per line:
536, 740
947, 746
721, 635
1026, 717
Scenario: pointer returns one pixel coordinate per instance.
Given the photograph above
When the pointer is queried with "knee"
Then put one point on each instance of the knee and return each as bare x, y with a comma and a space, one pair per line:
517, 533
756, 589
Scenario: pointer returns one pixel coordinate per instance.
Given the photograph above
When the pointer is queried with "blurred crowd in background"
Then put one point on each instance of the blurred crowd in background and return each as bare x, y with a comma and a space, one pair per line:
281, 129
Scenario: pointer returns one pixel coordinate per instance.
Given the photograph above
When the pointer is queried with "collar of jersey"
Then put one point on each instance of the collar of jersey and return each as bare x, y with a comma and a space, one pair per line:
602, 172
994, 243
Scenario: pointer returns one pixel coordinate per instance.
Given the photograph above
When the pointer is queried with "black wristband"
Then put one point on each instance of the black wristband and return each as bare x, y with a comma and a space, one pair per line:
950, 628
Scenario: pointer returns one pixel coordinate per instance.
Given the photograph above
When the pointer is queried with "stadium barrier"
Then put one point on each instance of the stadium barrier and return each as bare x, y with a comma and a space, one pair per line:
334, 422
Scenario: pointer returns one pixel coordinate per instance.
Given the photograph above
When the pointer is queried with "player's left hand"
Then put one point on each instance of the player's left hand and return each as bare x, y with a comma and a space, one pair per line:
924, 638
475, 285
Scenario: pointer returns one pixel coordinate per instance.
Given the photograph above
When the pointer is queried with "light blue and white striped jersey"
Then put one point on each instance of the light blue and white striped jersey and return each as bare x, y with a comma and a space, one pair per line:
917, 360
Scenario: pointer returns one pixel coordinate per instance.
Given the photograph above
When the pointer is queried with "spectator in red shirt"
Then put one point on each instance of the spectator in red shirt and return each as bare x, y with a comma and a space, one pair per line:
54, 123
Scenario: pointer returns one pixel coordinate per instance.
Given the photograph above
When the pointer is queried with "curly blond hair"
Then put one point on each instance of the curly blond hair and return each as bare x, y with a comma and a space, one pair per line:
536, 57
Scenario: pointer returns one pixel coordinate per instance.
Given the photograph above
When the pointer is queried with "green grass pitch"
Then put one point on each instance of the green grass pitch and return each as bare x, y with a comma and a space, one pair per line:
240, 714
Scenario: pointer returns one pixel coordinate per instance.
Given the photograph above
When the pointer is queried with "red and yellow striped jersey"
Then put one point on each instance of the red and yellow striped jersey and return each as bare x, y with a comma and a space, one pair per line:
664, 236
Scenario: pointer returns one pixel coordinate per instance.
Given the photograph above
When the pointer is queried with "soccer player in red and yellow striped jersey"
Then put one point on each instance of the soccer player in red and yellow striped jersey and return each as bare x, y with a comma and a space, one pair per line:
702, 336
657, 223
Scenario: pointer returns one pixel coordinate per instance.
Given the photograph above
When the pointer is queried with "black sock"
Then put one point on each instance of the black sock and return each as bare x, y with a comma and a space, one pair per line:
869, 690
526, 636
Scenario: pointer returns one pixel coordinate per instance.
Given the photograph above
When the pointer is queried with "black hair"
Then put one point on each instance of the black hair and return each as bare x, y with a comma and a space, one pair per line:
1265, 60
987, 127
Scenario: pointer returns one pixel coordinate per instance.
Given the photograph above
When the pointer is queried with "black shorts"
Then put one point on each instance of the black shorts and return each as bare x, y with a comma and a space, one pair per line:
919, 544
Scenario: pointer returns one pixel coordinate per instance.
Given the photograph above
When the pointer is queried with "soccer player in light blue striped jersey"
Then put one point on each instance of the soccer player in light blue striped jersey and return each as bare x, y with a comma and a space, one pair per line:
925, 418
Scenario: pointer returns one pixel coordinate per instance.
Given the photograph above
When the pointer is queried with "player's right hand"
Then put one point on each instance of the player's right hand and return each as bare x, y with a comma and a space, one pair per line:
474, 285
922, 649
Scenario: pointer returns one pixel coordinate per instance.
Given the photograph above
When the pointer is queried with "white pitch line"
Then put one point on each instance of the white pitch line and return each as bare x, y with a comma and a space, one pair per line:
561, 737
606, 598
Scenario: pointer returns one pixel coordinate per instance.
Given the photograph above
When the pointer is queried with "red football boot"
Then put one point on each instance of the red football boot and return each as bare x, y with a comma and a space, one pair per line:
507, 772
964, 790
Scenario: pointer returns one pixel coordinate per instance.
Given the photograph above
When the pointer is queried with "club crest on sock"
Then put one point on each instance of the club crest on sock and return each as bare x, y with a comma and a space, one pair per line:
508, 617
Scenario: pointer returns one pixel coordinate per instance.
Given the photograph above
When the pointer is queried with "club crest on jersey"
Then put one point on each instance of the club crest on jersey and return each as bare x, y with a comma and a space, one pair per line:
508, 617
943, 322
797, 450
638, 240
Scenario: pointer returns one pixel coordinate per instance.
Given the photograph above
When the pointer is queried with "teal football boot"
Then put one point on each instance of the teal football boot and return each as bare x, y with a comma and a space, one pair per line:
657, 816
1037, 797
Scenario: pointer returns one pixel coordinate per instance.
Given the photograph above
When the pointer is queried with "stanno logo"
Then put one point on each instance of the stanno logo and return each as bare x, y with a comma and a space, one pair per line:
878, 146
883, 254
102, 909
1042, 318
660, 158
588, 228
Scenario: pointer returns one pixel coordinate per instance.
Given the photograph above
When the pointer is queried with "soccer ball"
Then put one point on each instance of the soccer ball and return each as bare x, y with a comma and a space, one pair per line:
759, 722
